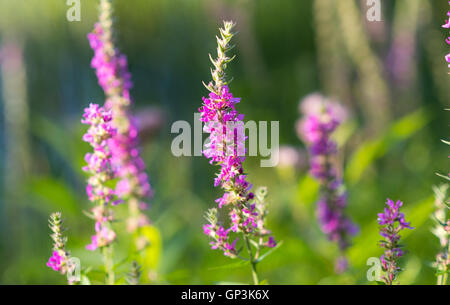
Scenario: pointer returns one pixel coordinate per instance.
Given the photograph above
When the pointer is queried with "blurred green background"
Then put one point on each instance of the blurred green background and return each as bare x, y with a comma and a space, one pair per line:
390, 74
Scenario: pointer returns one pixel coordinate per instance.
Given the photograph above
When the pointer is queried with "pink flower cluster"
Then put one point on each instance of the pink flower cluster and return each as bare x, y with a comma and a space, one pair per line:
223, 123
61, 262
109, 64
321, 118
226, 140
391, 215
392, 221
220, 239
103, 236
57, 261
226, 148
98, 162
113, 76
447, 26
129, 166
100, 170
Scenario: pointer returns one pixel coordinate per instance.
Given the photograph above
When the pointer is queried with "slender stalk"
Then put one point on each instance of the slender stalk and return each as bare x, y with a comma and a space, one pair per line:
108, 253
442, 279
371, 83
252, 261
109, 265
445, 275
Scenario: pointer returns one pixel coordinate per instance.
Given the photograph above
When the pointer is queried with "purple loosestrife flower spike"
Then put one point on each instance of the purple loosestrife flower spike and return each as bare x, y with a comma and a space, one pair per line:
60, 258
113, 76
101, 173
392, 222
226, 148
320, 119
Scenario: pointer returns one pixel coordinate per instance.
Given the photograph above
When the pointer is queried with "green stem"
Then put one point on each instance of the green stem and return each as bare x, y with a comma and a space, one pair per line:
444, 266
109, 266
442, 278
252, 262
445, 277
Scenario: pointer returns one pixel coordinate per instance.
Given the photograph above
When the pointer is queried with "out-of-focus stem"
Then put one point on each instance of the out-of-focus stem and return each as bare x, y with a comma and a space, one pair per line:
445, 275
17, 145
333, 71
373, 91
109, 264
401, 57
15, 111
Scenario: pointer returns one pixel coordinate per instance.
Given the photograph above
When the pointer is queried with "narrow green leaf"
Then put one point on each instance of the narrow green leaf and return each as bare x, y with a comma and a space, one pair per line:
443, 176
269, 252
238, 264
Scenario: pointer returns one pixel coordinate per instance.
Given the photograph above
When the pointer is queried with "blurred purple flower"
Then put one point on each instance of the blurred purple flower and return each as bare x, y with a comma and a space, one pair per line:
103, 237
113, 76
290, 157
321, 118
341, 265
111, 66
149, 121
